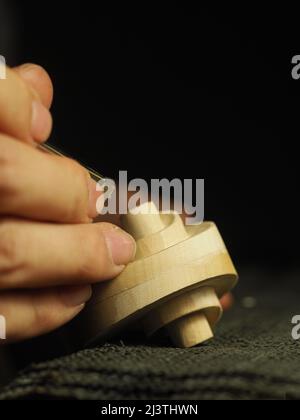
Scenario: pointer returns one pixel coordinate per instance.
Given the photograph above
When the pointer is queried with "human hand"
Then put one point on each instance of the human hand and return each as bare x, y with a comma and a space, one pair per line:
50, 252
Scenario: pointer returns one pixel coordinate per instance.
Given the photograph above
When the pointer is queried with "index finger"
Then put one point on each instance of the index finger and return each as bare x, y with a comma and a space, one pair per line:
39, 80
44, 187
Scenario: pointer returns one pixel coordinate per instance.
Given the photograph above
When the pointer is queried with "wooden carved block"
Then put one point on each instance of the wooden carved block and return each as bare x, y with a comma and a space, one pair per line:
174, 285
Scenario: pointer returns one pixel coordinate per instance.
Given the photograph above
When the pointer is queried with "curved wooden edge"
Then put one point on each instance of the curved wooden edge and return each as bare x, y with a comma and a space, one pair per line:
174, 264
108, 317
202, 299
173, 233
204, 241
190, 330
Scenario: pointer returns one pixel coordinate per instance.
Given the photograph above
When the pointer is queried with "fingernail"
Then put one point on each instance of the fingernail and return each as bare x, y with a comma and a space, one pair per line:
41, 122
93, 198
121, 246
76, 295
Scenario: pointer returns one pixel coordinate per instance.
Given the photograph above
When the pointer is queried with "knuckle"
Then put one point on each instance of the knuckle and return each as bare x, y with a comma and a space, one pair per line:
7, 167
10, 251
95, 259
79, 195
76, 169
15, 110
24, 94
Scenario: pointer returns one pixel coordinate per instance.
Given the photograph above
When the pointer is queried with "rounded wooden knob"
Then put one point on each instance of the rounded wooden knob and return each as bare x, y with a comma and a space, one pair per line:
144, 221
173, 285
188, 318
190, 330
152, 230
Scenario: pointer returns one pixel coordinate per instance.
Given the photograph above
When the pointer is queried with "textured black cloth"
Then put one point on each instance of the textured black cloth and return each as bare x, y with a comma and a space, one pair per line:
253, 356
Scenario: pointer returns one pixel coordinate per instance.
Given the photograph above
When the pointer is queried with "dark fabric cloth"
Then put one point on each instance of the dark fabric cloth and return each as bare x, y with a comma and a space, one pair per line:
253, 356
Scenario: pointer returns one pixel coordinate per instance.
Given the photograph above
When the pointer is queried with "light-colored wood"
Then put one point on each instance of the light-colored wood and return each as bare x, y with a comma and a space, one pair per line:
174, 284
198, 303
191, 330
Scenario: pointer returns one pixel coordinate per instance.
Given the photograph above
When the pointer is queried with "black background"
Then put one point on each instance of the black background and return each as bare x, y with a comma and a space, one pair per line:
180, 92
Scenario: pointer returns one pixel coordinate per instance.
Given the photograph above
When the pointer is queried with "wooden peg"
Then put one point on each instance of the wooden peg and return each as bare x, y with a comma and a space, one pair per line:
174, 285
